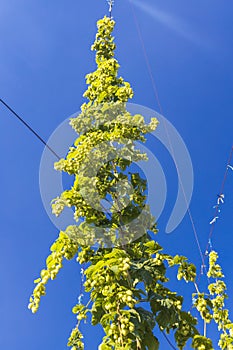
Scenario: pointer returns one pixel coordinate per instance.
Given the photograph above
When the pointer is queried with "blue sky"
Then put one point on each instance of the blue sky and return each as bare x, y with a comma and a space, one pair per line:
45, 54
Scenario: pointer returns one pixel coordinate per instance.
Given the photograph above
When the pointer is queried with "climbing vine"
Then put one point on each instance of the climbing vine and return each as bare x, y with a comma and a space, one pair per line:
211, 305
126, 275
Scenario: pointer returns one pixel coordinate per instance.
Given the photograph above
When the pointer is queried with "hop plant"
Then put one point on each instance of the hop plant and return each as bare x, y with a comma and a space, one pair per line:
126, 269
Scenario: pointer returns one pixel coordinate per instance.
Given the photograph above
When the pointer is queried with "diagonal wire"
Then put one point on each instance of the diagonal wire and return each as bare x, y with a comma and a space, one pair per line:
40, 138
167, 133
30, 128
168, 340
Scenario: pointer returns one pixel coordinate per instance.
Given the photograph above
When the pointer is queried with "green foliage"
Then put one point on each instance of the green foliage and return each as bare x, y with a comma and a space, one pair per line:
104, 85
75, 340
186, 270
62, 248
211, 306
126, 272
202, 343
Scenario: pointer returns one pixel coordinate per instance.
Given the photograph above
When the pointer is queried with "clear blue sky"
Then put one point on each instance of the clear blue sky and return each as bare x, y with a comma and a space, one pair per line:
45, 54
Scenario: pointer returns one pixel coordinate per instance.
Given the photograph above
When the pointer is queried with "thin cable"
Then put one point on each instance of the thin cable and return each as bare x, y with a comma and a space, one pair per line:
30, 128
37, 135
169, 140
221, 191
149, 69
168, 340
209, 244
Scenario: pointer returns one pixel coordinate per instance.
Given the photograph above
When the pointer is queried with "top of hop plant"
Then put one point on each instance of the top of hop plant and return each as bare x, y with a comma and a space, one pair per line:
104, 85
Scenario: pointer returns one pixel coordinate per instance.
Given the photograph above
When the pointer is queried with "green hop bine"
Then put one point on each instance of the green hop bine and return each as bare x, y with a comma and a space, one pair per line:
125, 278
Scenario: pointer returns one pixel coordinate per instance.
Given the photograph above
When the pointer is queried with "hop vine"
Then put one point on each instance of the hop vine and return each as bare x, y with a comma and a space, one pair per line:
126, 275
